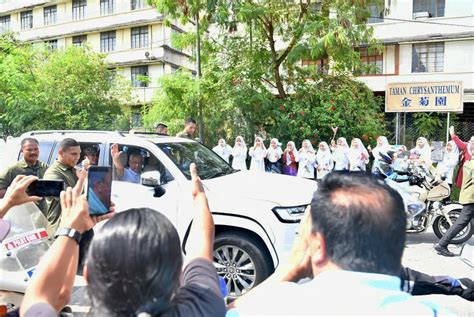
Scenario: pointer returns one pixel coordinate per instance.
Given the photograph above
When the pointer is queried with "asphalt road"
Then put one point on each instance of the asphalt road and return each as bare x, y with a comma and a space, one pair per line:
420, 255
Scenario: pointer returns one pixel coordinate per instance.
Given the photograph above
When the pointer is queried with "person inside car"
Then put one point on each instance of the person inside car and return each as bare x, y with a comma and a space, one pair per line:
135, 164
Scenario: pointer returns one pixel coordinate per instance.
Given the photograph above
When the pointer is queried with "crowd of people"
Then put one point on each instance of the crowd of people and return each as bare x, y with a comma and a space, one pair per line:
338, 155
350, 240
345, 244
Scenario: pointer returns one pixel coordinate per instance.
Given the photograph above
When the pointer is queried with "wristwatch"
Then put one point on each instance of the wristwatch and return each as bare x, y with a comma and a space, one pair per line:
69, 232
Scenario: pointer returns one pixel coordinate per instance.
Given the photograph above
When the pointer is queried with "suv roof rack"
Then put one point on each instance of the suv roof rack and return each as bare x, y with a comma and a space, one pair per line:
147, 133
38, 132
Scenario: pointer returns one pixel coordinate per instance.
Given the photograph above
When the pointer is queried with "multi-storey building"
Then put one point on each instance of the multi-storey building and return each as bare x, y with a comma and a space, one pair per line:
131, 33
424, 41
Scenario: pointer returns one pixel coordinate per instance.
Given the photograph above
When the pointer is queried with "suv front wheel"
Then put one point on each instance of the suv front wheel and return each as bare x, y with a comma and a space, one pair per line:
241, 261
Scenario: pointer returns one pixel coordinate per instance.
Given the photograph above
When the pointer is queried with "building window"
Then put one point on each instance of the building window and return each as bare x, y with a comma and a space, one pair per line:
5, 23
26, 20
107, 7
138, 74
376, 14
427, 57
50, 15
371, 61
51, 45
79, 9
137, 4
320, 65
79, 40
107, 41
140, 37
428, 8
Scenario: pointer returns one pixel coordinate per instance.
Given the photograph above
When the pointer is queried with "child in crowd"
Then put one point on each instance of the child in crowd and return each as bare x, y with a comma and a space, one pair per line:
324, 160
239, 154
290, 159
274, 154
307, 159
258, 153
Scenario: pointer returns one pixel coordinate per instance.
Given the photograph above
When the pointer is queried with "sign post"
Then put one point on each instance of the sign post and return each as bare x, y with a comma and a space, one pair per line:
447, 127
424, 97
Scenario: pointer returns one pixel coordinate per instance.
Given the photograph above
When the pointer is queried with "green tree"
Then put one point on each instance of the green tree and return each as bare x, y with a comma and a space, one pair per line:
250, 67
64, 89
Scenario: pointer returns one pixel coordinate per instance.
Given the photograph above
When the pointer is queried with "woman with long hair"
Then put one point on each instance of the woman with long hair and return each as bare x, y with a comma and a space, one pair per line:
307, 159
290, 159
358, 156
258, 152
274, 154
324, 160
239, 154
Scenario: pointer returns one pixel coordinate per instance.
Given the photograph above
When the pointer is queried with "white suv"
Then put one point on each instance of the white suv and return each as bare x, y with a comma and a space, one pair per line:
255, 214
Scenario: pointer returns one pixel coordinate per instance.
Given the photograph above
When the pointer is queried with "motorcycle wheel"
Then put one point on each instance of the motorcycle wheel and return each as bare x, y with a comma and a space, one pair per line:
441, 225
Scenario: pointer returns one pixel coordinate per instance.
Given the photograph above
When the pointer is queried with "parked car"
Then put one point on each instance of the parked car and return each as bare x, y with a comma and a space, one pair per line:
256, 214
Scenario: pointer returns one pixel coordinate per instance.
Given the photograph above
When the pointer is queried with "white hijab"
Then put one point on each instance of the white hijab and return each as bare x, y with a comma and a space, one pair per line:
276, 150
423, 152
322, 154
242, 146
309, 149
453, 154
356, 153
261, 143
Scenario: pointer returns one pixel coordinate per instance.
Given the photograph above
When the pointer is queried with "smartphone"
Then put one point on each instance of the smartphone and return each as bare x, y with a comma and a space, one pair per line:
99, 187
45, 188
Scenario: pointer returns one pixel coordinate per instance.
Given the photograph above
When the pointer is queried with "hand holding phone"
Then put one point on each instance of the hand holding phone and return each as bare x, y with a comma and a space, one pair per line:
45, 188
99, 186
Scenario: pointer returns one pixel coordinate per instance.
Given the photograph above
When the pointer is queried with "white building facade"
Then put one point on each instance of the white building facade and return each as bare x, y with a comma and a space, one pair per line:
424, 41
130, 32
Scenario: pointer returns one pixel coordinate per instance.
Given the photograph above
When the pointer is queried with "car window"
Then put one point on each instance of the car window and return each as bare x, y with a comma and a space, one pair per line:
150, 162
208, 163
45, 150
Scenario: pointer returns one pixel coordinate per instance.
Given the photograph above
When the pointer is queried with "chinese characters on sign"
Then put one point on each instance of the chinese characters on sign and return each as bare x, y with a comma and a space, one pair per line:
417, 97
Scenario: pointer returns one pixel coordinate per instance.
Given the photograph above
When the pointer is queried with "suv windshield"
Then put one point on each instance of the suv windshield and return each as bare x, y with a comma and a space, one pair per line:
208, 163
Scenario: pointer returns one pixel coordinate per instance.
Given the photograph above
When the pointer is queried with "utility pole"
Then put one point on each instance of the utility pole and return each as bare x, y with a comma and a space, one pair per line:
198, 75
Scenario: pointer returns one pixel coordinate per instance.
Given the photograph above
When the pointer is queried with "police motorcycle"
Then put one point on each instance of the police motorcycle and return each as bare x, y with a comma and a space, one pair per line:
424, 193
24, 240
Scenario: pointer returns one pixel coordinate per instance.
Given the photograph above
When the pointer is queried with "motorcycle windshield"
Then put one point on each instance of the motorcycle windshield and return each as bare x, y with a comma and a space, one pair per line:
27, 240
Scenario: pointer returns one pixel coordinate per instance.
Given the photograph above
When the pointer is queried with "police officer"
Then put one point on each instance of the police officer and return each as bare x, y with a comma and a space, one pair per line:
28, 165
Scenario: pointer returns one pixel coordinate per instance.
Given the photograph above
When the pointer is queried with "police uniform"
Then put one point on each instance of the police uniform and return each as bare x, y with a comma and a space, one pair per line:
58, 171
21, 168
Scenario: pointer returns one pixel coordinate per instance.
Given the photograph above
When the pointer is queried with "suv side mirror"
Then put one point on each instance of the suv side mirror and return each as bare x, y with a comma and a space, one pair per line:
151, 178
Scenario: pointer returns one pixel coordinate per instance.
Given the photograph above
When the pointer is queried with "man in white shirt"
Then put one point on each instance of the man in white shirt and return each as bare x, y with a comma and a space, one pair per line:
349, 247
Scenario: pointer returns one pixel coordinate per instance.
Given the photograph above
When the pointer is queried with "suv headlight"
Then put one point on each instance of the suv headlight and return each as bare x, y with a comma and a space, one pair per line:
289, 214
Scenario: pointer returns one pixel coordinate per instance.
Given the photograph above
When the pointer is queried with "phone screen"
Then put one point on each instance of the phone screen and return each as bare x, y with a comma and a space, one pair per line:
99, 185
45, 188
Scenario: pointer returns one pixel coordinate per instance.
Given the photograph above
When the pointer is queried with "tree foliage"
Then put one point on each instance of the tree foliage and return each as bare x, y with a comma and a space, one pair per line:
252, 76
66, 89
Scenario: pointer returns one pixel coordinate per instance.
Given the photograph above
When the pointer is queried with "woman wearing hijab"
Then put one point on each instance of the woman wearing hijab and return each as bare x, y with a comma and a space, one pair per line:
381, 149
340, 152
358, 156
307, 159
449, 162
324, 160
274, 153
239, 154
223, 149
258, 153
290, 157
422, 152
